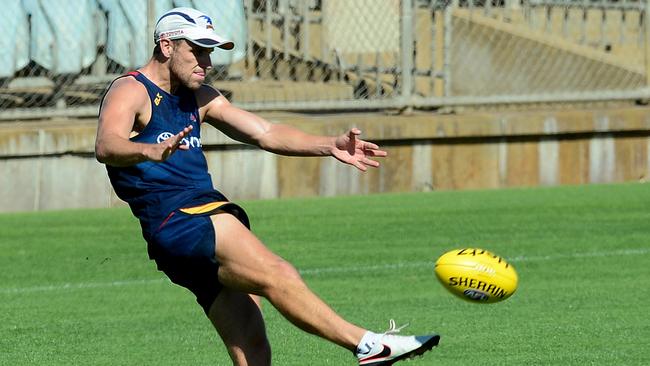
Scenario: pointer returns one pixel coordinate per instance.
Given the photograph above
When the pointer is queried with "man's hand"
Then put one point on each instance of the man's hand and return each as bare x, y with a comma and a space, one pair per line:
161, 151
351, 150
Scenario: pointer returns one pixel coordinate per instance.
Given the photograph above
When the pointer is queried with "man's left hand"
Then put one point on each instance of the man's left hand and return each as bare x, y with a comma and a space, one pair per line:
351, 150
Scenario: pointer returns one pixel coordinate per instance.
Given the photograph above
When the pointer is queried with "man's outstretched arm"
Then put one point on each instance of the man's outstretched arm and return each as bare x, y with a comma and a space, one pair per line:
282, 139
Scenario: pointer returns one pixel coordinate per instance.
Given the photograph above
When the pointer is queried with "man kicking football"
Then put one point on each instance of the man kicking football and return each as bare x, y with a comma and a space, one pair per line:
149, 138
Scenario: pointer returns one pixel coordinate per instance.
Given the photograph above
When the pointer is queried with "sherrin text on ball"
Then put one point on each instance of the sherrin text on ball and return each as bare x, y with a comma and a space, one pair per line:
476, 275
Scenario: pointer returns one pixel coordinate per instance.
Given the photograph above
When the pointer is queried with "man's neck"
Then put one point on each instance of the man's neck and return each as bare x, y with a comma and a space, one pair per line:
160, 75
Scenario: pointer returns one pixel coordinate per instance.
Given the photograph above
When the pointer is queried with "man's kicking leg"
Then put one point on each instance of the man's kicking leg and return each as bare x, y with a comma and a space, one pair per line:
246, 265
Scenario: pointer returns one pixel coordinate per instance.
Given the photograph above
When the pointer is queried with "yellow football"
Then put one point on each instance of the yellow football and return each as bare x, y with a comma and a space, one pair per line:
476, 275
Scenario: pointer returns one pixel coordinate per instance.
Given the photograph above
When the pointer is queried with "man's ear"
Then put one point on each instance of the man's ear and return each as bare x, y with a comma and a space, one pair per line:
166, 47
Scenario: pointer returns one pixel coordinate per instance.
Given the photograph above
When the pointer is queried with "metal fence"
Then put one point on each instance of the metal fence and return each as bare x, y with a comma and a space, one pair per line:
58, 56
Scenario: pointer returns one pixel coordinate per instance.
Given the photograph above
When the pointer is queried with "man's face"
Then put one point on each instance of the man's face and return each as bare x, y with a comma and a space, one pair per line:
189, 63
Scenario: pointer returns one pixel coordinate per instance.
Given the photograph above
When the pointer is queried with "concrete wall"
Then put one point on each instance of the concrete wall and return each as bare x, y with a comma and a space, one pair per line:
50, 164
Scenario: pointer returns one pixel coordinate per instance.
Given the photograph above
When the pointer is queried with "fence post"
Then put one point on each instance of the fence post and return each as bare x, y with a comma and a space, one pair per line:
151, 24
448, 29
646, 43
407, 51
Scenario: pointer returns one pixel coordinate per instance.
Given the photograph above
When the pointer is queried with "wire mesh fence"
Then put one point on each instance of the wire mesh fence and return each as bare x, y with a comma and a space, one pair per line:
59, 56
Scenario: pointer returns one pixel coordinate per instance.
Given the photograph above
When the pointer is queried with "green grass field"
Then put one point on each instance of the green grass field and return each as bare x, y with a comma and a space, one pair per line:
77, 288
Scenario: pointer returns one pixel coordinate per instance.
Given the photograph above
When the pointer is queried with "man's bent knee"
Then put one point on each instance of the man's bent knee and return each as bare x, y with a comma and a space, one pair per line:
281, 276
282, 271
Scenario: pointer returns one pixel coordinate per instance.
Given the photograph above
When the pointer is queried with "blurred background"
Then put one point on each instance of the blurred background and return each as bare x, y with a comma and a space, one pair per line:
463, 94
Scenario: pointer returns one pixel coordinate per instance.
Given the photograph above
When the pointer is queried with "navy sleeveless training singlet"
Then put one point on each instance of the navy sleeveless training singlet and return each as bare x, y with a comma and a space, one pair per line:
155, 189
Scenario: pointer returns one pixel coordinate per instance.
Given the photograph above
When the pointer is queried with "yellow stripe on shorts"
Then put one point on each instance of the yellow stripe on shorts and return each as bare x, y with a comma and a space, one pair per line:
203, 208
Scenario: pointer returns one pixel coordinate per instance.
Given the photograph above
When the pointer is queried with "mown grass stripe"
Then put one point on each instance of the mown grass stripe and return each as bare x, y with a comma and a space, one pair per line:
322, 271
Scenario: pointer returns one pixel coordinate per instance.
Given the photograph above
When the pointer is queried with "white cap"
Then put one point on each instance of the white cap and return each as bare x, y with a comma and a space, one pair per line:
192, 25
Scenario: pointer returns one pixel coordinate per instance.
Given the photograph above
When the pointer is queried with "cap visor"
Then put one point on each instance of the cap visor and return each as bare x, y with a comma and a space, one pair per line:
211, 43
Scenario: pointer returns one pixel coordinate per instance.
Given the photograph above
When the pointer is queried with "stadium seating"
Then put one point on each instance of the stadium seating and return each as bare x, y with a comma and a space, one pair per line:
63, 50
15, 31
63, 53
63, 34
127, 30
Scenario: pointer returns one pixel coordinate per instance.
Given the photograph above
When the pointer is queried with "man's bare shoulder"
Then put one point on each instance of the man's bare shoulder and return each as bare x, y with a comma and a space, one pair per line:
126, 85
126, 91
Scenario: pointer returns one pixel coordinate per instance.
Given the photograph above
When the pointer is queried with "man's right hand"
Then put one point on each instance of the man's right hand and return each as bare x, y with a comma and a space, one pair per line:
163, 150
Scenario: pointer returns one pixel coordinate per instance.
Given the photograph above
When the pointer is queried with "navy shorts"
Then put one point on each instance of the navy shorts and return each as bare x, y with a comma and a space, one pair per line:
184, 249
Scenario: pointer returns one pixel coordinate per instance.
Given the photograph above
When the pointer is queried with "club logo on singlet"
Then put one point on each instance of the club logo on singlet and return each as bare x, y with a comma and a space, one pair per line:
191, 141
